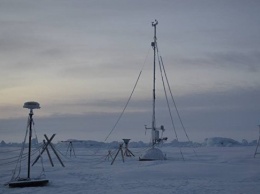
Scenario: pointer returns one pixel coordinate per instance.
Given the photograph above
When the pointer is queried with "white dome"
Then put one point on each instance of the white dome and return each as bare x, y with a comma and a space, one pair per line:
31, 105
153, 154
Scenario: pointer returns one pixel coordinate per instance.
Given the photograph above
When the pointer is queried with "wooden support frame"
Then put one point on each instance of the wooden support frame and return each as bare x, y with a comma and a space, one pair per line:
45, 147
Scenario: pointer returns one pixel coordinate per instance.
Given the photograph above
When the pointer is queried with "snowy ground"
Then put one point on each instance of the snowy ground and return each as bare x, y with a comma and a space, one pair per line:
214, 170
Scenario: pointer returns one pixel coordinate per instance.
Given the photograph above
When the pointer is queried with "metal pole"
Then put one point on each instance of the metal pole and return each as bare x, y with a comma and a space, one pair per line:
30, 144
154, 45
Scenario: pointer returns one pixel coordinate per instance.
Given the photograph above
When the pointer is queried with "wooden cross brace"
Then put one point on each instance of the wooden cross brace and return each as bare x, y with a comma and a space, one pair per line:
45, 147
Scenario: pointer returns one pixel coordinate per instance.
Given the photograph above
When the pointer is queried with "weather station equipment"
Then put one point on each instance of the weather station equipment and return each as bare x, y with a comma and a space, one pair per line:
28, 181
154, 153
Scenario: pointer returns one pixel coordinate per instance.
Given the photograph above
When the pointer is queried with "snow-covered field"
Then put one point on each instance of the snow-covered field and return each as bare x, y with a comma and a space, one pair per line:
211, 170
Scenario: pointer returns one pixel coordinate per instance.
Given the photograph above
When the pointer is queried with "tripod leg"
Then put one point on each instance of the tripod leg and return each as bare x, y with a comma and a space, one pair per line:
115, 157
70, 148
73, 150
130, 152
122, 155
257, 146
67, 149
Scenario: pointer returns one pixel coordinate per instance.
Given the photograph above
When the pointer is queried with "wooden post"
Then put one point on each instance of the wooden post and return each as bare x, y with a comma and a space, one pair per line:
54, 151
44, 148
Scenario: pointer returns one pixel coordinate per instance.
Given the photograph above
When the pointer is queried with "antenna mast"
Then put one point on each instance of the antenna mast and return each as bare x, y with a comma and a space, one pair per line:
154, 153
30, 106
28, 182
154, 45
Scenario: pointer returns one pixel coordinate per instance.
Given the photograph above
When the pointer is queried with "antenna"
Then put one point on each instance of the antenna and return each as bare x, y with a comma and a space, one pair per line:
28, 182
154, 45
154, 23
155, 131
30, 105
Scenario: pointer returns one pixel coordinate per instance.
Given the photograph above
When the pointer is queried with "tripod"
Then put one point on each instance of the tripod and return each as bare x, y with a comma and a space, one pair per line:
127, 152
120, 149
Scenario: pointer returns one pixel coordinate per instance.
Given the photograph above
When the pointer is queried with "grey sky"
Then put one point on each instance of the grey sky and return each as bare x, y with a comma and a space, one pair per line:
80, 59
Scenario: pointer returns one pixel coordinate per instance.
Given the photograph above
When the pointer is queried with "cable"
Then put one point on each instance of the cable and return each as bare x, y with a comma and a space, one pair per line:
42, 173
8, 151
21, 154
166, 96
177, 111
120, 116
125, 105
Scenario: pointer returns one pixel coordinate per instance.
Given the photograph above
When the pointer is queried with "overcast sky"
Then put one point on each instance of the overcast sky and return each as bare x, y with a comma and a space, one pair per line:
80, 59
